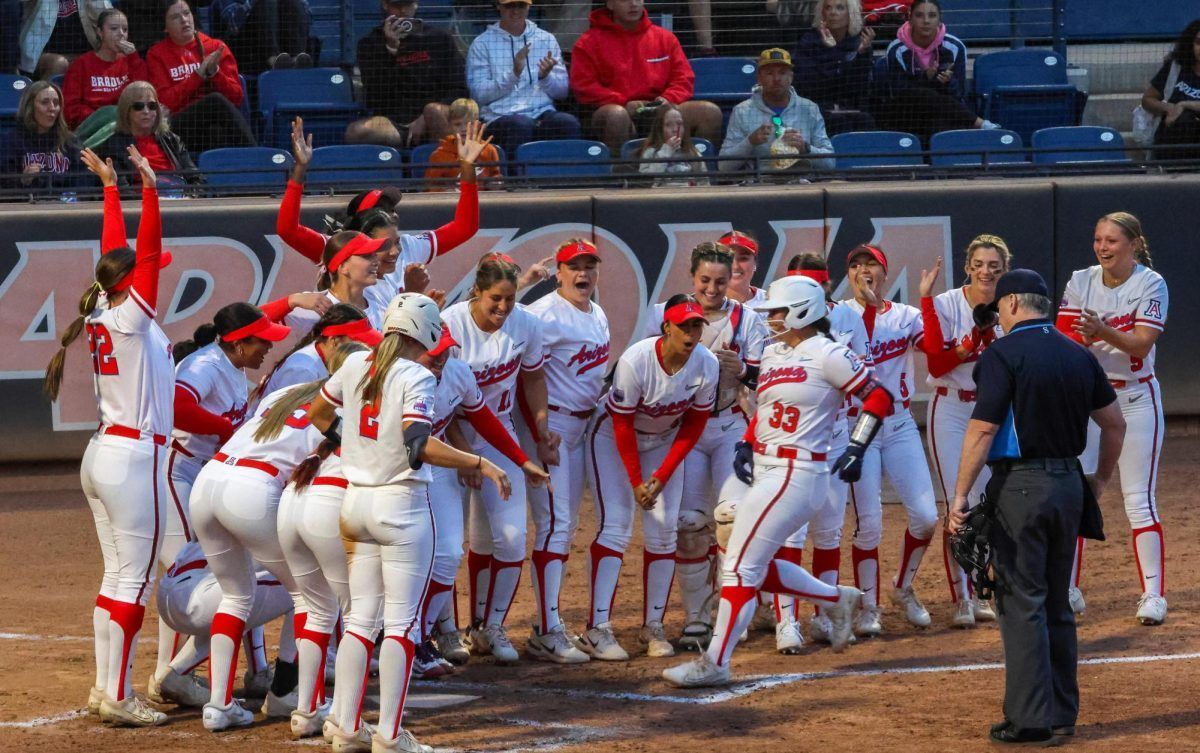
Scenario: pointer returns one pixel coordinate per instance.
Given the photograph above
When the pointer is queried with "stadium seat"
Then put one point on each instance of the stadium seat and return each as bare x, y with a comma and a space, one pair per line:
324, 97
258, 167
11, 89
859, 149
355, 166
968, 147
725, 81
632, 149
1026, 90
564, 158
1054, 146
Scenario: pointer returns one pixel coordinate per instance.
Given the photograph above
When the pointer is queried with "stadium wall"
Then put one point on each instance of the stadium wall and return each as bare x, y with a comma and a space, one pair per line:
227, 250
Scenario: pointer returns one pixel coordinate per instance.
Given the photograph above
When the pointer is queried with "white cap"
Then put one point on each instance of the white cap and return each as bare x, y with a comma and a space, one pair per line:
416, 316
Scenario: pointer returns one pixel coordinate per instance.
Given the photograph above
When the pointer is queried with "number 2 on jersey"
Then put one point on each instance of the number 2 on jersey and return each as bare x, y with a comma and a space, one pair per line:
100, 343
368, 421
784, 417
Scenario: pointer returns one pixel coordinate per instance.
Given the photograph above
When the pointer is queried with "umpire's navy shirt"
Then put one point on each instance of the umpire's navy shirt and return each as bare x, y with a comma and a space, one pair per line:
1040, 387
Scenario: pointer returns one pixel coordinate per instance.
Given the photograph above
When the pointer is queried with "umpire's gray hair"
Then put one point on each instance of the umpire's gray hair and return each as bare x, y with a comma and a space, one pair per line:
1039, 304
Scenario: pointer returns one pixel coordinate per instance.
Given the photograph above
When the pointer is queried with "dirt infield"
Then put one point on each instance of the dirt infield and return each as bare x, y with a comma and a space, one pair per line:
910, 690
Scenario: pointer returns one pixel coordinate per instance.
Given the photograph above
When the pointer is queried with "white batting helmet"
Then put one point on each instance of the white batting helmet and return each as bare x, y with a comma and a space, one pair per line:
414, 315
803, 297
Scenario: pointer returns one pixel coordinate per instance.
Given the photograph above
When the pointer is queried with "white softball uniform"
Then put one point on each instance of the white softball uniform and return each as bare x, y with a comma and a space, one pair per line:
308, 531
303, 366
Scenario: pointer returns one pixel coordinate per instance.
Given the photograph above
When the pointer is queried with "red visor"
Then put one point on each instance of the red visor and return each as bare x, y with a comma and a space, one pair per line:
262, 327
741, 240
684, 312
360, 246
498, 257
820, 275
164, 259
444, 344
871, 251
572, 250
359, 330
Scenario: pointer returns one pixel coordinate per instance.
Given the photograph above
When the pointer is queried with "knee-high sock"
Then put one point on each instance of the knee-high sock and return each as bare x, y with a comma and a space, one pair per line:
169, 642
826, 564
395, 669
479, 570
547, 572
605, 566
956, 578
734, 612
911, 554
436, 596
226, 634
124, 625
1077, 563
255, 644
658, 573
287, 637
350, 684
311, 649
695, 578
866, 574
1150, 552
787, 606
447, 616
100, 619
505, 576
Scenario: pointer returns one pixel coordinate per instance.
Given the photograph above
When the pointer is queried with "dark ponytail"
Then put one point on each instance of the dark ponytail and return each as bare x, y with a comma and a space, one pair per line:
205, 334
228, 318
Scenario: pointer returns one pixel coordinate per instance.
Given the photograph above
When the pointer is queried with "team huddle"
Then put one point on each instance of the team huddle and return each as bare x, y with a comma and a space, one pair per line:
337, 493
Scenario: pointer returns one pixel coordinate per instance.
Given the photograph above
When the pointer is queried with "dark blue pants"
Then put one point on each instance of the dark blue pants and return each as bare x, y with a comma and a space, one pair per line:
510, 131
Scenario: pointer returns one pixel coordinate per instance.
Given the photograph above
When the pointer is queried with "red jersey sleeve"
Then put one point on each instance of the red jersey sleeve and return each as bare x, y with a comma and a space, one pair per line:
307, 241
190, 417
683, 78
149, 250
465, 223
686, 438
113, 234
75, 110
626, 440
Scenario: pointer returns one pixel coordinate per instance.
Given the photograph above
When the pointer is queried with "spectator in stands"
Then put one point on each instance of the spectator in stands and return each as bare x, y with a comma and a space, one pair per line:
62, 27
669, 152
515, 72
96, 79
40, 146
10, 35
264, 34
833, 65
626, 67
776, 123
927, 77
410, 73
462, 113
197, 78
143, 122
1179, 107
50, 64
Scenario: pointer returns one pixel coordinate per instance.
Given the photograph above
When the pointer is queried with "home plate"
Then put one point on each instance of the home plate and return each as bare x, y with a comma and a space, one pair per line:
438, 700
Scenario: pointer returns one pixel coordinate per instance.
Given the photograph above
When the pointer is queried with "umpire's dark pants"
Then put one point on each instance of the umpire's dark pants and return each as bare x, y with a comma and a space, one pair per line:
1038, 507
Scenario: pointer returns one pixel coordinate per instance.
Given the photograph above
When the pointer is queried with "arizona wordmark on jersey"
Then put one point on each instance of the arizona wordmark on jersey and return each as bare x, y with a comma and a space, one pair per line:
894, 332
575, 345
1140, 301
956, 315
642, 387
456, 389
295, 441
219, 387
496, 357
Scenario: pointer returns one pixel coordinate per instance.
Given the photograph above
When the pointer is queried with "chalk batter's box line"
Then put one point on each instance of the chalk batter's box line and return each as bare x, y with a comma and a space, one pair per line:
754, 684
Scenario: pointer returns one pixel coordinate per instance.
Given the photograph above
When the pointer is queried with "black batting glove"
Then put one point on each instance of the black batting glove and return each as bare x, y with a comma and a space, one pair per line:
743, 462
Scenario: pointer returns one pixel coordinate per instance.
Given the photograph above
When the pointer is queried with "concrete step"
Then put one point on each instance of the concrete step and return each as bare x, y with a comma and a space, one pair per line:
1112, 110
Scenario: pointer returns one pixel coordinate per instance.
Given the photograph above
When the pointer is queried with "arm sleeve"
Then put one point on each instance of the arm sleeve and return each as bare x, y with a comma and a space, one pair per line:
933, 344
586, 83
149, 252
689, 433
484, 85
556, 83
307, 241
489, 427
748, 436
1159, 82
277, 310
819, 142
626, 440
190, 417
113, 235
736, 148
227, 81
683, 78
465, 223
877, 402
654, 168
75, 110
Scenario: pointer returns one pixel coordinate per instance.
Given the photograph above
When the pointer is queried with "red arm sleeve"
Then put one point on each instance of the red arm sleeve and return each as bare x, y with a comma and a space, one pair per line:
626, 437
307, 241
465, 223
489, 427
190, 417
149, 250
877, 402
1064, 324
750, 427
685, 439
227, 81
683, 78
113, 235
277, 310
933, 343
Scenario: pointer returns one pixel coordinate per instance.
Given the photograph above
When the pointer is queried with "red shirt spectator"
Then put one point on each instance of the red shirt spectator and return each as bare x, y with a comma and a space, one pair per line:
612, 65
93, 82
174, 71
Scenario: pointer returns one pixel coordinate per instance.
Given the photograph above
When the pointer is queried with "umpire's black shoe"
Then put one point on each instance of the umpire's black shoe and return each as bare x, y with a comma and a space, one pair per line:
1006, 734
1066, 730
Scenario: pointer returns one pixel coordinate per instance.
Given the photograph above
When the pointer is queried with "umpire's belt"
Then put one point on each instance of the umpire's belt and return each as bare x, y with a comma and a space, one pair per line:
1034, 464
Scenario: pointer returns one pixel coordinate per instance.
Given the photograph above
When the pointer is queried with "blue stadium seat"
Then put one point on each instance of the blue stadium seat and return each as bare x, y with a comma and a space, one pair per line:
577, 157
257, 167
355, 166
1026, 90
725, 81
632, 149
11, 89
968, 147
876, 149
324, 97
1053, 146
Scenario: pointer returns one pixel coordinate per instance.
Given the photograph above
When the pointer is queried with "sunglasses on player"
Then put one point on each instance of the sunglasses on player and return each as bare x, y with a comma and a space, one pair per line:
139, 106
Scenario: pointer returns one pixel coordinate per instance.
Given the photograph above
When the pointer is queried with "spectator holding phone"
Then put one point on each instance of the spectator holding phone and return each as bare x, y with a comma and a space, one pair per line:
833, 65
1174, 96
96, 79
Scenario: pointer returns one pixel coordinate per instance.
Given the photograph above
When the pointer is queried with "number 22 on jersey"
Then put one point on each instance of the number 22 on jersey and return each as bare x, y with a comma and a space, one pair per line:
100, 343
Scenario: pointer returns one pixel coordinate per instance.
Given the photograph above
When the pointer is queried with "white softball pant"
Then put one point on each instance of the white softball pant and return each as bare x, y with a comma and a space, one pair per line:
308, 529
182, 470
188, 601
896, 451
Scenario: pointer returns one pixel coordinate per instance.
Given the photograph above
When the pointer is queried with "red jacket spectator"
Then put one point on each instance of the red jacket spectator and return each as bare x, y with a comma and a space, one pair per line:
92, 82
173, 72
612, 66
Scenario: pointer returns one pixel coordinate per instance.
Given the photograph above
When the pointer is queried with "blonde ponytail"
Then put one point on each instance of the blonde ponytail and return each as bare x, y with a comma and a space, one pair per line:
386, 354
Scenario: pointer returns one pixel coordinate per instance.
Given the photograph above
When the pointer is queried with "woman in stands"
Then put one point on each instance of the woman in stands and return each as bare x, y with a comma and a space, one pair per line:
927, 77
669, 153
40, 147
96, 79
142, 121
833, 65
1178, 104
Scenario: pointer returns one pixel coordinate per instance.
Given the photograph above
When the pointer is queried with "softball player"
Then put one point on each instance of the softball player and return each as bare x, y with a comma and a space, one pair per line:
952, 341
663, 390
388, 401
801, 385
305, 362
498, 340
893, 329
1118, 308
745, 264
575, 344
122, 472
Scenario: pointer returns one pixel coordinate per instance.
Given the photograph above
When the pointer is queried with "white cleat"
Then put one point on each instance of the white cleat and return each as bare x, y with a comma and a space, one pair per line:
454, 647
600, 643
183, 690
404, 742
340, 741
983, 611
217, 718
654, 638
257, 684
130, 712
695, 636
867, 624
697, 673
555, 647
964, 614
819, 628
502, 647
95, 696
914, 611
280, 707
1075, 597
788, 639
1152, 609
304, 724
840, 628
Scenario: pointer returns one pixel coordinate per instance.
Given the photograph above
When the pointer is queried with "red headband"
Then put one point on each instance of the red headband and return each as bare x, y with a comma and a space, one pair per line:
361, 245
683, 312
164, 260
497, 256
261, 327
820, 275
734, 238
369, 201
359, 329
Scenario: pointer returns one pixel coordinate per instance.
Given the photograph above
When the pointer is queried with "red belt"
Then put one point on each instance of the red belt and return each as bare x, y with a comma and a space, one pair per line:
330, 481
580, 414
177, 447
129, 432
891, 411
788, 453
257, 465
1121, 383
967, 396
194, 565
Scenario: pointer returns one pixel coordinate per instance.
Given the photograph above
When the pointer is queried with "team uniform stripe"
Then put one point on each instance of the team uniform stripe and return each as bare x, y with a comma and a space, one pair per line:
330, 398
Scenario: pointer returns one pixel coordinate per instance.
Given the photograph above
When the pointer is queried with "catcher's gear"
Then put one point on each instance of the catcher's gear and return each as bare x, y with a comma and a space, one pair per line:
743, 462
972, 551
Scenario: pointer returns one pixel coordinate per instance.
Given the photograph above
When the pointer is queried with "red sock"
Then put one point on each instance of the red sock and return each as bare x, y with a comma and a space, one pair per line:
232, 628
477, 565
129, 617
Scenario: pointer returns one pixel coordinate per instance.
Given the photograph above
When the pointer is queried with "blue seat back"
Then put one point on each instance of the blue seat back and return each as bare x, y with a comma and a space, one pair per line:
324, 97
564, 158
354, 166
256, 167
1001, 147
724, 80
1078, 144
859, 149
1019, 68
11, 89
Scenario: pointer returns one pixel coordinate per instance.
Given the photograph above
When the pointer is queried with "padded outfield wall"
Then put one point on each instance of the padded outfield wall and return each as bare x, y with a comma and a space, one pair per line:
226, 250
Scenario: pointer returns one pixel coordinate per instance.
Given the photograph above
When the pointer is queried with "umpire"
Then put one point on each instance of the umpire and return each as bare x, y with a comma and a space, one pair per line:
1036, 391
